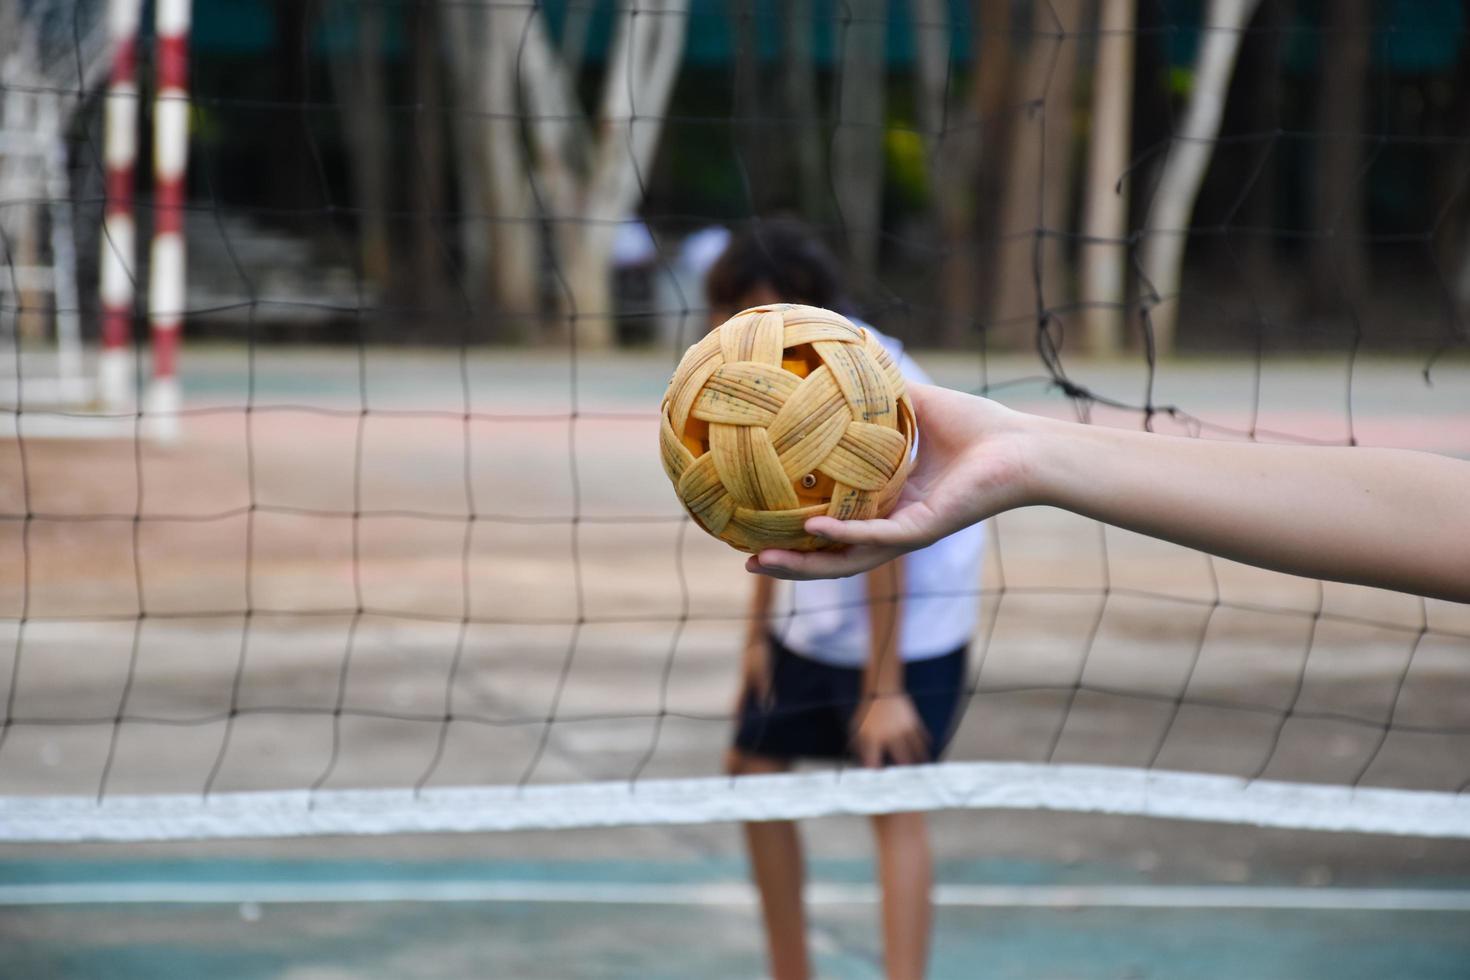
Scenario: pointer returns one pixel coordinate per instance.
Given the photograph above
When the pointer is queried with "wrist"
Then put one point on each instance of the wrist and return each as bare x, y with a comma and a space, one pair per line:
1048, 450
878, 684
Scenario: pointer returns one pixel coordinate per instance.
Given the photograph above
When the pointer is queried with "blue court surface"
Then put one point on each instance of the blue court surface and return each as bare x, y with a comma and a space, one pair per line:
338, 919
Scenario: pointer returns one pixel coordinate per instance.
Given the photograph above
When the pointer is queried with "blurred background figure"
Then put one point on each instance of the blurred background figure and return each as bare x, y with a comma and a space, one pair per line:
869, 669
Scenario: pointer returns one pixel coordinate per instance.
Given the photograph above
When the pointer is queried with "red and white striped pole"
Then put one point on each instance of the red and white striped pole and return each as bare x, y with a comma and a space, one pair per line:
120, 150
167, 262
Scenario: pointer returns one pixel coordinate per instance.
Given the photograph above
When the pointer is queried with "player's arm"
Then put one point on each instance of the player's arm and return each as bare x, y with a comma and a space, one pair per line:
886, 724
755, 657
1382, 517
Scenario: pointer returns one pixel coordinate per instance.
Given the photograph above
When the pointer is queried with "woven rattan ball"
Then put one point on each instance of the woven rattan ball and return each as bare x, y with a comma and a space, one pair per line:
781, 414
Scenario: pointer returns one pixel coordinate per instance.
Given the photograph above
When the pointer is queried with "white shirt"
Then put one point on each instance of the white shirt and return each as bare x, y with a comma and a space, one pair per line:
828, 620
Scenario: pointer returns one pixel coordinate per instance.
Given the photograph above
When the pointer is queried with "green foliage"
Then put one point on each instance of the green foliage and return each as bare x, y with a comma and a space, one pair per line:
1180, 81
905, 158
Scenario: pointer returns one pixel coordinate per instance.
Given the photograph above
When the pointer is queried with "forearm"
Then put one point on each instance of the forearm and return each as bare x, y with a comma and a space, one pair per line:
1387, 518
883, 674
761, 599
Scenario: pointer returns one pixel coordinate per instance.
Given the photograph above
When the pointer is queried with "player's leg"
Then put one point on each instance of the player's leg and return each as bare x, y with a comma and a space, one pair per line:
905, 862
776, 865
797, 721
906, 876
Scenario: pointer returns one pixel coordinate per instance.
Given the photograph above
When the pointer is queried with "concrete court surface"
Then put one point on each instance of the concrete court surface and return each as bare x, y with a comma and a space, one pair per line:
1047, 578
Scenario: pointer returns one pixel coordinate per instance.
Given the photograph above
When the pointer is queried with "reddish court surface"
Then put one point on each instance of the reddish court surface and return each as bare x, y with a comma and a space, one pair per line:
586, 599
241, 546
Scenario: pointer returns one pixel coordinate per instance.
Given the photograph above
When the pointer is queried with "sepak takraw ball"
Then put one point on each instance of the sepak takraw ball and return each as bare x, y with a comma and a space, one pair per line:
780, 414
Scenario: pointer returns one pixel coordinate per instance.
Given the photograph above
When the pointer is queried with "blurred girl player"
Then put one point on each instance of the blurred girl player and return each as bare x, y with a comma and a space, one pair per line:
870, 668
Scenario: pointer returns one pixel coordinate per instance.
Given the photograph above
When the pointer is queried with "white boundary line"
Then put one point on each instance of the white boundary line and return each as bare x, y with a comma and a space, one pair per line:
733, 894
976, 786
32, 424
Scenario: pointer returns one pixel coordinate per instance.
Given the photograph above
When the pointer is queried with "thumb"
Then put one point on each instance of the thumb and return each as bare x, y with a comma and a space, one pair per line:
879, 532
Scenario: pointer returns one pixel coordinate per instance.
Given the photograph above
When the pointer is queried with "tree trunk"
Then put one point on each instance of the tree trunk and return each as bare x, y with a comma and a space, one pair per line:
1452, 239
575, 27
471, 231
430, 260
588, 175
1032, 275
857, 145
949, 158
1338, 259
1260, 65
931, 94
586, 284
1167, 230
754, 146
953, 151
484, 47
799, 78
972, 248
1104, 248
358, 79
291, 161
53, 53
647, 49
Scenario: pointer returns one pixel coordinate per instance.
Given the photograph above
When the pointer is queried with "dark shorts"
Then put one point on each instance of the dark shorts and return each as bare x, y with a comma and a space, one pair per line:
812, 705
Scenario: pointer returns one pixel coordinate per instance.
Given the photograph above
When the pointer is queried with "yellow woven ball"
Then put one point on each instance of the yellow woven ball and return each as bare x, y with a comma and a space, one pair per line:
781, 414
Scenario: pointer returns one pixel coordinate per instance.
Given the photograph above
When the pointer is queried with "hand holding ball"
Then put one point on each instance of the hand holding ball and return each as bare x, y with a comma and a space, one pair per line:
779, 415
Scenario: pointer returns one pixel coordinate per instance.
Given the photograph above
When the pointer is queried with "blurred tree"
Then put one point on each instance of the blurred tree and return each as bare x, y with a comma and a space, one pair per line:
950, 160
500, 227
357, 76
1170, 211
961, 154
581, 176
1452, 252
1036, 211
757, 154
857, 143
1338, 257
1451, 232
53, 54
1105, 221
799, 92
932, 38
991, 85
431, 258
1259, 106
290, 164
576, 30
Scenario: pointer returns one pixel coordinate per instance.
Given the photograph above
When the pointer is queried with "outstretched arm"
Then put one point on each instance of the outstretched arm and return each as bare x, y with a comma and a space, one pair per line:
1382, 517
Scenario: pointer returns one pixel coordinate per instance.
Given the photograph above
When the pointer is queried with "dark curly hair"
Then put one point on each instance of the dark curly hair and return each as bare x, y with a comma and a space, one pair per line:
781, 253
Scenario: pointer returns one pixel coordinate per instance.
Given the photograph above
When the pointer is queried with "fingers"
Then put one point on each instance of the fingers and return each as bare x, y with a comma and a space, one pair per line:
879, 532
888, 743
797, 565
750, 693
918, 746
908, 749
